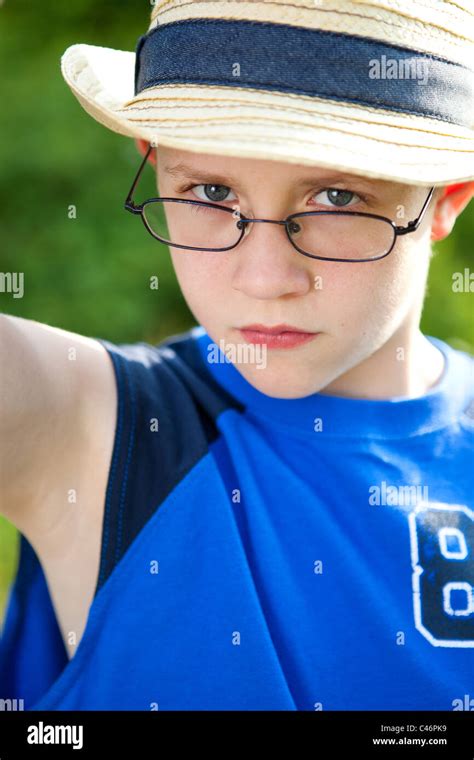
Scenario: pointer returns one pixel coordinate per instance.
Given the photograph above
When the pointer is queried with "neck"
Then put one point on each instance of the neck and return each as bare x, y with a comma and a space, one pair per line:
407, 365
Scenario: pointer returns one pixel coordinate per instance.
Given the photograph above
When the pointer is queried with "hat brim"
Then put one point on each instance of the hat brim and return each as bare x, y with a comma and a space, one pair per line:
238, 121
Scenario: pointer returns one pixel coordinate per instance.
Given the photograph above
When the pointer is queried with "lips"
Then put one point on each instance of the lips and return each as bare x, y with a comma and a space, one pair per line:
257, 327
278, 336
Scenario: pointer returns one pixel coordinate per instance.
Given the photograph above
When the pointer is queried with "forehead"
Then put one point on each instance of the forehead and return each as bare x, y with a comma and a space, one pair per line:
175, 164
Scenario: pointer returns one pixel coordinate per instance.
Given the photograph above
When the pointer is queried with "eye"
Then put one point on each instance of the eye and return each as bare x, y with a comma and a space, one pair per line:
213, 193
337, 197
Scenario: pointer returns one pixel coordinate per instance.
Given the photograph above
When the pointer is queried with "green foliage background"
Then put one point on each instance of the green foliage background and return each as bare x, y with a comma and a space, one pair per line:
91, 274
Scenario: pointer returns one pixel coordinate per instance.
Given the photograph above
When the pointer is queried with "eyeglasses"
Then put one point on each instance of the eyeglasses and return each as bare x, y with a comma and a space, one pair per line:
346, 236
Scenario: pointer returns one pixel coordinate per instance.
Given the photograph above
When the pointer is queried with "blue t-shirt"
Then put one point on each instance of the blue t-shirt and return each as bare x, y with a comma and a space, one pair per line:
266, 554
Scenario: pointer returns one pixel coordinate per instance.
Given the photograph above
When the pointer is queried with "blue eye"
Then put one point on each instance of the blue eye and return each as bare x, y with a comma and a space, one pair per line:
213, 193
338, 197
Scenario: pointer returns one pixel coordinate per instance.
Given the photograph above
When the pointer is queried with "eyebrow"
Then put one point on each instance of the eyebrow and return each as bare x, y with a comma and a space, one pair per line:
186, 170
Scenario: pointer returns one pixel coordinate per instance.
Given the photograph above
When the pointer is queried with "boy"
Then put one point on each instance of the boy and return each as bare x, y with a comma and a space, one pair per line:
291, 530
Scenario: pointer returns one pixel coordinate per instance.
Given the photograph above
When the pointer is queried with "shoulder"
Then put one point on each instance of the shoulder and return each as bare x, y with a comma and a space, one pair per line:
168, 386
458, 380
466, 386
167, 410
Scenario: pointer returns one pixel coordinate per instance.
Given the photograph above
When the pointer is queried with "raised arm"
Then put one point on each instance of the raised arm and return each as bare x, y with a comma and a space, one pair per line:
57, 401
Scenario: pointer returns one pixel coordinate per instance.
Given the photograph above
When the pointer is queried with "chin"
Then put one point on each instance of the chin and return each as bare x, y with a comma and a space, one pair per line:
276, 385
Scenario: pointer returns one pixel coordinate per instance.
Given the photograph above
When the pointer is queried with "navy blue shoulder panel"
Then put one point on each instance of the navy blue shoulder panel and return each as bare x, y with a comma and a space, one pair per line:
166, 419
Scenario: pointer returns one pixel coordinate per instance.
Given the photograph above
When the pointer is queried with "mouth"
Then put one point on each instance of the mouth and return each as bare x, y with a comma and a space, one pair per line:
279, 336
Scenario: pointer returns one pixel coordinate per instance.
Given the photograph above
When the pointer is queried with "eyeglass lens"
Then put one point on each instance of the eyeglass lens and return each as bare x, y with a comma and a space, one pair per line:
332, 235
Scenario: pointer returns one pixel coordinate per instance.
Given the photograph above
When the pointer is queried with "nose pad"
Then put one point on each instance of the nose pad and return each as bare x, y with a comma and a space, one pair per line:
294, 227
243, 224
240, 224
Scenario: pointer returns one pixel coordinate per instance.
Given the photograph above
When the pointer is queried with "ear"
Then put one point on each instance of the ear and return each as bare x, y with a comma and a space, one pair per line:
143, 146
451, 201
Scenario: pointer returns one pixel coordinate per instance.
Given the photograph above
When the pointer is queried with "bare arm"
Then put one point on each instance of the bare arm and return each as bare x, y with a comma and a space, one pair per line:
57, 400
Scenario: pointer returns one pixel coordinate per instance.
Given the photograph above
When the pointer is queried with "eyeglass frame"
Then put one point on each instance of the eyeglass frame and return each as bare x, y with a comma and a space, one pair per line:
412, 226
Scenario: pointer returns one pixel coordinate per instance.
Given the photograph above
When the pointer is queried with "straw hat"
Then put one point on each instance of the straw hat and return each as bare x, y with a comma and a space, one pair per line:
382, 88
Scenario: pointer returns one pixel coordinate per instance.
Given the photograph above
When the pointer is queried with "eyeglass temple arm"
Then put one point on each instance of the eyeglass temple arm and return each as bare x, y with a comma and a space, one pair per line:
129, 204
413, 225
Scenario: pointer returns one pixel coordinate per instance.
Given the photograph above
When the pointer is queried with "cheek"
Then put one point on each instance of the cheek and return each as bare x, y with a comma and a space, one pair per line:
202, 278
368, 295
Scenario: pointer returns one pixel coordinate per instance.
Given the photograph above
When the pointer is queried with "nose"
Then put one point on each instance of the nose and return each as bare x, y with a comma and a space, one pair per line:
266, 264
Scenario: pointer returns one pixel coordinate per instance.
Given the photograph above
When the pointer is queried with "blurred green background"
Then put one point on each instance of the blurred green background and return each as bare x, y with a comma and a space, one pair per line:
91, 274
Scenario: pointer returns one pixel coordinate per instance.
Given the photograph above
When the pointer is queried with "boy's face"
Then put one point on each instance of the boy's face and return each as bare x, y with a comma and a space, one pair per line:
360, 311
